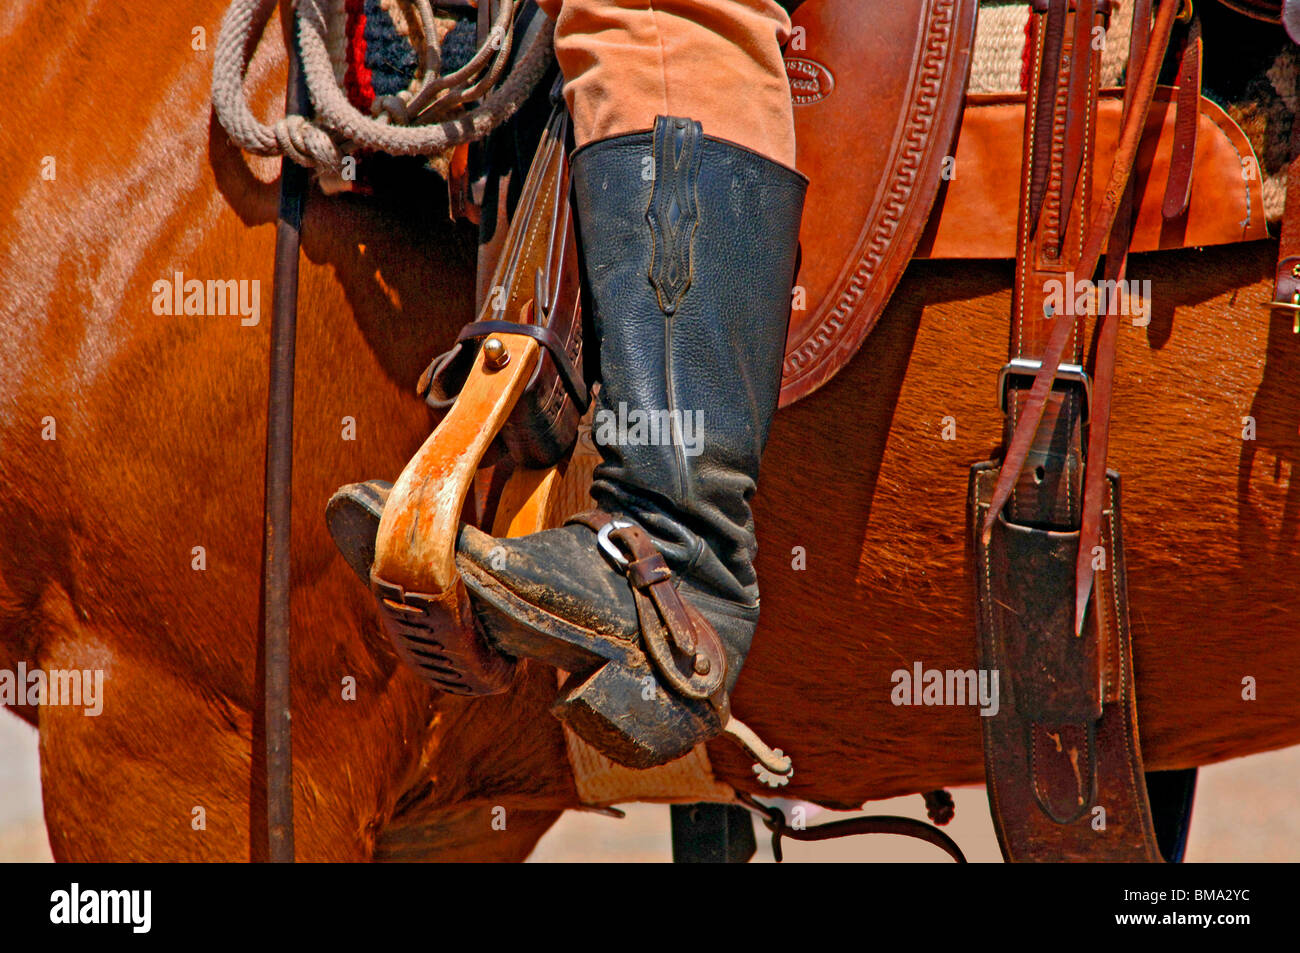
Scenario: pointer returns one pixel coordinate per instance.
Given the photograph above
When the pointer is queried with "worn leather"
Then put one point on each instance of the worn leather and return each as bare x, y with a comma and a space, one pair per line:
1062, 755
1178, 191
593, 595
978, 211
352, 515
534, 285
878, 93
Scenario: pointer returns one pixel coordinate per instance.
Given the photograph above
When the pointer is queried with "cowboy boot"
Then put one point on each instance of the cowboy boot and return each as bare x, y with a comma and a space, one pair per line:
689, 248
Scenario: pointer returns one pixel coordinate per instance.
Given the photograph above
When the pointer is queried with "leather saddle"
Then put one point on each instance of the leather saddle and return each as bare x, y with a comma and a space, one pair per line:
904, 163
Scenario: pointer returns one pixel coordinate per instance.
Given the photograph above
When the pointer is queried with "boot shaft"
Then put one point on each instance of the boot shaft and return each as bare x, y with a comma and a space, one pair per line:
689, 247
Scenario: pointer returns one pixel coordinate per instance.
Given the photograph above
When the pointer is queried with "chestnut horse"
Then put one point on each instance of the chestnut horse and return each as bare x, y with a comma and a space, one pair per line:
131, 449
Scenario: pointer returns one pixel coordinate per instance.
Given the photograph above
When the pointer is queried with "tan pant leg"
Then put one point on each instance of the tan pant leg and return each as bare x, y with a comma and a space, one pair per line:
717, 61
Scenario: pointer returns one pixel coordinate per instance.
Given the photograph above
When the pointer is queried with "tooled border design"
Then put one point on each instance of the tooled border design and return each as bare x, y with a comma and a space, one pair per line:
936, 60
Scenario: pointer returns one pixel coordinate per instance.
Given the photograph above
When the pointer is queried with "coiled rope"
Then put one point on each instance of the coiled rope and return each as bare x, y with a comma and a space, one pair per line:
425, 122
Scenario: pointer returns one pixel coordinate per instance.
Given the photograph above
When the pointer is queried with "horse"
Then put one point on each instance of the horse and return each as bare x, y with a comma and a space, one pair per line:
130, 441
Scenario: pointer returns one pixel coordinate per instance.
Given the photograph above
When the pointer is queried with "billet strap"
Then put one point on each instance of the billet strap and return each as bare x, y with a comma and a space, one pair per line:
1062, 755
1177, 194
1178, 190
1107, 340
1030, 331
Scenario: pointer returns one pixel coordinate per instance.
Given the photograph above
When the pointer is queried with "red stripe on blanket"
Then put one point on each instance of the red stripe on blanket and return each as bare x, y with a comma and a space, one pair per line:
1027, 54
357, 79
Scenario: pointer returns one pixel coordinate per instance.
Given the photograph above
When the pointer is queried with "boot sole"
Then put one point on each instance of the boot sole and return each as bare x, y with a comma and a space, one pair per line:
435, 636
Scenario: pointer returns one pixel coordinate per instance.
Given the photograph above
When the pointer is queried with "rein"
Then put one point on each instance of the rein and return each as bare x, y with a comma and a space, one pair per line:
773, 819
277, 507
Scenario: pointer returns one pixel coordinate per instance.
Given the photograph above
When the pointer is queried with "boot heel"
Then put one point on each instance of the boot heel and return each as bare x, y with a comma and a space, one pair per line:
624, 712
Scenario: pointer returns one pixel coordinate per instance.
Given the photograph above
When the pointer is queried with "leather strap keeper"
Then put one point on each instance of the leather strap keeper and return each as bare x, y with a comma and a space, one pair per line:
679, 641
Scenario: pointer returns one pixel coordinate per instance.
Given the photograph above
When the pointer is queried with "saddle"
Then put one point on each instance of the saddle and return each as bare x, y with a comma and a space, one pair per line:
942, 185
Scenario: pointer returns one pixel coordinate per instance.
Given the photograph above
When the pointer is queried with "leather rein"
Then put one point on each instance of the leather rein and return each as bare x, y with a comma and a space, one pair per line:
277, 506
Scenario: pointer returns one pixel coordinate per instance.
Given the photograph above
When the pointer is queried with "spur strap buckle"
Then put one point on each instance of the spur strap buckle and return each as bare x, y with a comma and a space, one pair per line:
607, 545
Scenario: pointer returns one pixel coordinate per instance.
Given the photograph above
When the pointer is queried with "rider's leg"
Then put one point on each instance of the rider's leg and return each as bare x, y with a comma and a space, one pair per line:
688, 217
717, 61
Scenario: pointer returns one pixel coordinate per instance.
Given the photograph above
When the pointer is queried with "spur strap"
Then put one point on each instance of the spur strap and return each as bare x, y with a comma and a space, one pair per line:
698, 667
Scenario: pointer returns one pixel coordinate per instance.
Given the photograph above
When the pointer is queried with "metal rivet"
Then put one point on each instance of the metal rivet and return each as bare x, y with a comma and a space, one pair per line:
495, 353
702, 665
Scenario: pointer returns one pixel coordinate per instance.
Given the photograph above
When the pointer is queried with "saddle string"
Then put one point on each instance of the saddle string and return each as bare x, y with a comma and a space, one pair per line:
403, 124
773, 819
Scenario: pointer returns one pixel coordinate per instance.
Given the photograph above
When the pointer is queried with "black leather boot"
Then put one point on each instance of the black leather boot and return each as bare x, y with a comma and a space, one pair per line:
689, 248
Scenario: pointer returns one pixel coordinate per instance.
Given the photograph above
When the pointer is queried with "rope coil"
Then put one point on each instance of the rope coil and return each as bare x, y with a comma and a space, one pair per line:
424, 123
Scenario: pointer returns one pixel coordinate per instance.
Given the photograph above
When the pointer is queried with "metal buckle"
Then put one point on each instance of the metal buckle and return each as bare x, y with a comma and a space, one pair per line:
607, 545
1024, 367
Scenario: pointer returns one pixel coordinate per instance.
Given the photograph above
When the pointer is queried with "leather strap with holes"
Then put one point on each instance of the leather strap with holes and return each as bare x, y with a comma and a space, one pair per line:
1062, 755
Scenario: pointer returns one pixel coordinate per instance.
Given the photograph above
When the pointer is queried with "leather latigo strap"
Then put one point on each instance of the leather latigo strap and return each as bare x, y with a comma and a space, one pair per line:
535, 291
1038, 338
1178, 191
1064, 768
